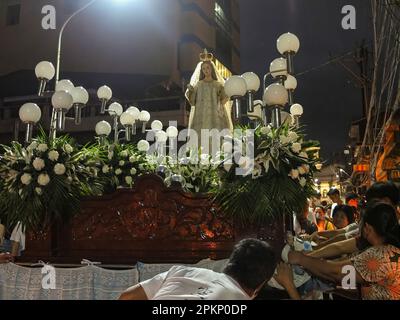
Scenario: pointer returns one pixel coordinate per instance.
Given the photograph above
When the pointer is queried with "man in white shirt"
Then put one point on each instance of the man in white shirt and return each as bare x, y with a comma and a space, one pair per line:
334, 195
250, 266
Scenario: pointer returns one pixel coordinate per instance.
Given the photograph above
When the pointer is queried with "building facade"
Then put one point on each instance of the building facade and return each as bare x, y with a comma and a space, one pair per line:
144, 50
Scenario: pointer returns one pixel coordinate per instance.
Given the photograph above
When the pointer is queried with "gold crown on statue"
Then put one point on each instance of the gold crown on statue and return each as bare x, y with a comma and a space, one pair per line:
206, 56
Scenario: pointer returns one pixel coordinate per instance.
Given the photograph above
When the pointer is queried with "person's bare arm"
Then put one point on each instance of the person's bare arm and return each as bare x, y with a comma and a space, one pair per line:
335, 249
330, 270
284, 277
338, 238
134, 293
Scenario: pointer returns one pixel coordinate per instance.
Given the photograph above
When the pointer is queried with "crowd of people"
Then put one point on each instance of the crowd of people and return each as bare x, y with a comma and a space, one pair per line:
359, 234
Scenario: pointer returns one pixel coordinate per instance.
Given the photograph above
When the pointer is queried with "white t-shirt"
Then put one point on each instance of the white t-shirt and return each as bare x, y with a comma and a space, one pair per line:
187, 283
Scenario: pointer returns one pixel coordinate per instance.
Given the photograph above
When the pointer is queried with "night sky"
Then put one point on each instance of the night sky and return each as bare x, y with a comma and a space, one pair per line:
329, 95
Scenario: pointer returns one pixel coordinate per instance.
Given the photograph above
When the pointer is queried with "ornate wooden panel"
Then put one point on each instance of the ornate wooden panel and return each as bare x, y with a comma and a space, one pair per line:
150, 223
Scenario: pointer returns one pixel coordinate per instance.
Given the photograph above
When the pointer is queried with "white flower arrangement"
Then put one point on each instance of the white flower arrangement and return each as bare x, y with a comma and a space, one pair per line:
118, 172
32, 174
280, 179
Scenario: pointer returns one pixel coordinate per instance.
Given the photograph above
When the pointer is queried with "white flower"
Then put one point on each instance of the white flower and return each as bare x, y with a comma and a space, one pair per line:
132, 159
256, 171
69, 179
128, 180
296, 147
133, 171
53, 155
26, 179
143, 146
38, 164
43, 179
294, 174
284, 139
118, 172
292, 136
123, 154
301, 170
304, 155
105, 169
42, 147
68, 148
265, 130
121, 163
110, 155
303, 182
306, 168
59, 169
32, 146
38, 190
205, 159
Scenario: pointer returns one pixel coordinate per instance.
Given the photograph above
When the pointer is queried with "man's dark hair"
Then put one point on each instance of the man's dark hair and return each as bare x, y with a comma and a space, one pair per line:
251, 263
380, 190
347, 210
333, 191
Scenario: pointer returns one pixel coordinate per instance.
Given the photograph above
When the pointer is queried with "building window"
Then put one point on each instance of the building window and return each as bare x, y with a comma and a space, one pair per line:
13, 13
222, 20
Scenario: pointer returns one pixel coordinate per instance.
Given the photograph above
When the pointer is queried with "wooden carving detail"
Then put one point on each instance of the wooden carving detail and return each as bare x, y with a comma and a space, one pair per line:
151, 212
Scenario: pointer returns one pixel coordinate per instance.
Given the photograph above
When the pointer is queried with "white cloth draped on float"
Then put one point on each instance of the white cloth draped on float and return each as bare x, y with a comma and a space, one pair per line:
194, 81
84, 283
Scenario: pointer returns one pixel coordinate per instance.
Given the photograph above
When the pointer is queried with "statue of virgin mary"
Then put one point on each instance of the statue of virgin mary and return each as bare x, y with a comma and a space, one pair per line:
206, 95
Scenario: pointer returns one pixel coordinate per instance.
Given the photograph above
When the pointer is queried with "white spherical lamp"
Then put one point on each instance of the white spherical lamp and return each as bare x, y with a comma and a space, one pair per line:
252, 81
62, 100
80, 95
161, 136
291, 82
45, 70
156, 125
144, 116
115, 109
64, 85
104, 93
127, 119
103, 128
275, 95
296, 110
235, 86
143, 146
172, 132
288, 43
30, 113
134, 111
278, 68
